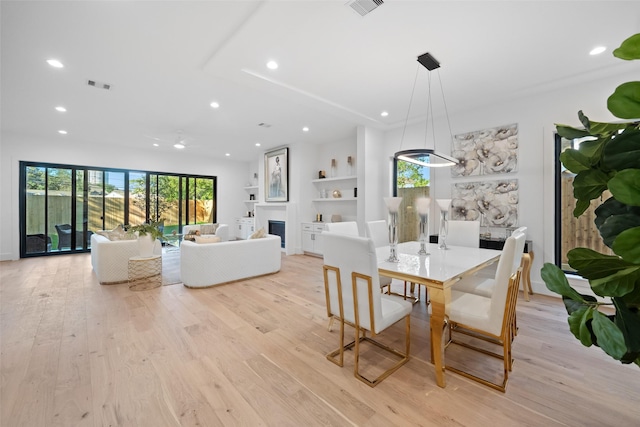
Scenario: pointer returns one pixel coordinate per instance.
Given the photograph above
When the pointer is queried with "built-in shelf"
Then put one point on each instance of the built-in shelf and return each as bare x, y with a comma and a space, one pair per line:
337, 199
251, 187
338, 178
251, 201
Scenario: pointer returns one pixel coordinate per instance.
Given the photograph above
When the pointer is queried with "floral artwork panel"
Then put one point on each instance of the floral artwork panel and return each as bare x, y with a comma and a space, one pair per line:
486, 152
494, 203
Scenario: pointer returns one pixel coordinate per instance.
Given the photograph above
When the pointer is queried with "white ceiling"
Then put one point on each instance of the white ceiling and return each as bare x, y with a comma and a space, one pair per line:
167, 60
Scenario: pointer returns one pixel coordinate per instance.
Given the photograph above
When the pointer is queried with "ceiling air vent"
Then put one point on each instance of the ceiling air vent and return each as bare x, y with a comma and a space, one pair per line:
364, 6
264, 125
98, 85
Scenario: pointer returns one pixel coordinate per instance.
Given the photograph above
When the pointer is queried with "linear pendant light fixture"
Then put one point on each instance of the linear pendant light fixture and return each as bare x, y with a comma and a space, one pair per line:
426, 157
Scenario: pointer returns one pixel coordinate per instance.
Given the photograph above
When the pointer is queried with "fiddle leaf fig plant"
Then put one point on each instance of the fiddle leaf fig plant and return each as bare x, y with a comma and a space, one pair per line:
607, 159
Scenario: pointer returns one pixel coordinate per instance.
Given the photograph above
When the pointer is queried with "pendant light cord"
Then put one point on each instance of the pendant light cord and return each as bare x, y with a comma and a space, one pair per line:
406, 120
444, 102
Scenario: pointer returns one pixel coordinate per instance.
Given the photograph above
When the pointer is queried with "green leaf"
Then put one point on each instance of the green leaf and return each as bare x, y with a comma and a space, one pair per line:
629, 49
616, 224
624, 186
592, 148
617, 284
594, 265
590, 184
557, 282
627, 245
578, 325
623, 151
574, 160
624, 102
573, 305
569, 132
611, 207
584, 120
610, 338
581, 207
629, 323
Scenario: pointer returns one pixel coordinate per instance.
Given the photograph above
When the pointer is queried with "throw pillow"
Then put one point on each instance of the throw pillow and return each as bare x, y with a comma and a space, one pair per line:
208, 228
192, 235
258, 234
207, 239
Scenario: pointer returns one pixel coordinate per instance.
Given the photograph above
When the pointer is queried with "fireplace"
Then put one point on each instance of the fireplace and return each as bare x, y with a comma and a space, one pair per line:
277, 228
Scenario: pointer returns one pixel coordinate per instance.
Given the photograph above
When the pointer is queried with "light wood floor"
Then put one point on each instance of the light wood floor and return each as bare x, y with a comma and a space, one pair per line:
252, 353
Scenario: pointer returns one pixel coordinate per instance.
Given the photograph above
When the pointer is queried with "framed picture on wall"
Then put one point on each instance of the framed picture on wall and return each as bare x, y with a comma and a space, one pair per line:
276, 171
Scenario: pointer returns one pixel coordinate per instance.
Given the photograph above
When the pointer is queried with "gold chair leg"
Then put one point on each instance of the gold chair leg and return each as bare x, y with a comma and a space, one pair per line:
404, 358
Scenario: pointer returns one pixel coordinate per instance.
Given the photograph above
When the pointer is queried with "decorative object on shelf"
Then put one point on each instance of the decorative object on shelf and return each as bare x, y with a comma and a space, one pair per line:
318, 217
334, 168
336, 218
443, 204
252, 196
323, 194
276, 169
337, 194
426, 157
355, 191
350, 164
393, 204
255, 178
422, 207
322, 174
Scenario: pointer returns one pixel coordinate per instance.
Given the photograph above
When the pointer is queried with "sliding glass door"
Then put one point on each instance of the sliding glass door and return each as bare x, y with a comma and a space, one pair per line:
61, 206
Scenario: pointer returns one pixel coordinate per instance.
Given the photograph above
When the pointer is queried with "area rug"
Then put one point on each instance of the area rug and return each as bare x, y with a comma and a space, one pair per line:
170, 266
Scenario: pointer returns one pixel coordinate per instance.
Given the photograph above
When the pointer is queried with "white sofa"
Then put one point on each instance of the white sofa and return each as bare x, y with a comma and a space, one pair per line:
110, 258
208, 264
222, 231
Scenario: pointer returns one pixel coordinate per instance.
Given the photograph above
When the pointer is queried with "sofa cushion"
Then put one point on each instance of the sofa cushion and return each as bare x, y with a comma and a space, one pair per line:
191, 235
208, 238
208, 228
258, 234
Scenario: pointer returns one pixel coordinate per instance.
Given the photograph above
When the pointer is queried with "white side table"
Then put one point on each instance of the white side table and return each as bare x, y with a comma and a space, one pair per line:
145, 272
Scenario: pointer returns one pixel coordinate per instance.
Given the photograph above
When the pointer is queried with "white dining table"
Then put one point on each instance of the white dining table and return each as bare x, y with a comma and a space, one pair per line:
438, 271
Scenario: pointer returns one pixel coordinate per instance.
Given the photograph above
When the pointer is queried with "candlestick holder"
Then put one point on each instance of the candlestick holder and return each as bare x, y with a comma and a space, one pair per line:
422, 207
393, 204
424, 231
443, 204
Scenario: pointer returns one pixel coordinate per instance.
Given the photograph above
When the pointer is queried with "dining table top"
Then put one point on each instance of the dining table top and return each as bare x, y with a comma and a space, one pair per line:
440, 267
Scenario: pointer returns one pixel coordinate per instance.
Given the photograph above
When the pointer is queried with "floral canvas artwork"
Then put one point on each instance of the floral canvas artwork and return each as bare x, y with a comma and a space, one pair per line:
494, 203
486, 152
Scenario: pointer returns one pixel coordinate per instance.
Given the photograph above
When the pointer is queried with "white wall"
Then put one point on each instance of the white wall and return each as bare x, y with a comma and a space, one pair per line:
535, 117
232, 176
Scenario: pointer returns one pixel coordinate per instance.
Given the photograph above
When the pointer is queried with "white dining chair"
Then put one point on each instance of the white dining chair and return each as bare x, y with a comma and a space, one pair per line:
464, 233
349, 228
482, 285
351, 279
378, 231
488, 318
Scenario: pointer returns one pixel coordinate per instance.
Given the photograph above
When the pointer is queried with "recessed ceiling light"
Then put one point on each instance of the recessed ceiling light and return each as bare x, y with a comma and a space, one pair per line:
227, 154
55, 63
257, 144
597, 50
305, 129
62, 132
214, 104
155, 144
384, 114
61, 109
272, 65
179, 145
